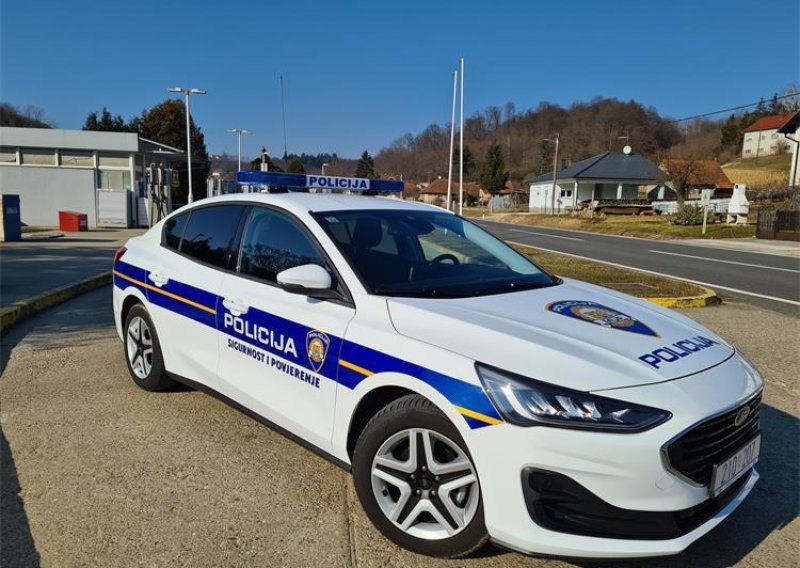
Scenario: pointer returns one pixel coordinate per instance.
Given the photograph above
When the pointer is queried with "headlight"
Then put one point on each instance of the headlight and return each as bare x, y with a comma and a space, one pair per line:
526, 402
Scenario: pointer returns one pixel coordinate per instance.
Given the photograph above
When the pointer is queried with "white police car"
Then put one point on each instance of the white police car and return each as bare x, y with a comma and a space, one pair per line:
472, 395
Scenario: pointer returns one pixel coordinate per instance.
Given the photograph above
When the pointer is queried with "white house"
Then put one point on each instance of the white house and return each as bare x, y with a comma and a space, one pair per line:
100, 174
791, 130
608, 176
764, 137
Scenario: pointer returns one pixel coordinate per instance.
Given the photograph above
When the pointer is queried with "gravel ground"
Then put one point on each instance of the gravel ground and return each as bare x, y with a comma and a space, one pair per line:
96, 472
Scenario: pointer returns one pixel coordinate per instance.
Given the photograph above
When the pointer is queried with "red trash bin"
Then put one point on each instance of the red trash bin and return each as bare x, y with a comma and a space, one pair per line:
72, 221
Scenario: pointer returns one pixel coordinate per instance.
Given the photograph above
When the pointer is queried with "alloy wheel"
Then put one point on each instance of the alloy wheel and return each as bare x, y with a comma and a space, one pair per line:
425, 484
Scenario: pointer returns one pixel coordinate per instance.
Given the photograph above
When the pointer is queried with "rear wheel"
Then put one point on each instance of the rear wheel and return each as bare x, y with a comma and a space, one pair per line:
143, 351
416, 481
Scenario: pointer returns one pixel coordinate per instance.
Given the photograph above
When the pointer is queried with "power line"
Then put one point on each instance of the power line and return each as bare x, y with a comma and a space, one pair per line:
734, 108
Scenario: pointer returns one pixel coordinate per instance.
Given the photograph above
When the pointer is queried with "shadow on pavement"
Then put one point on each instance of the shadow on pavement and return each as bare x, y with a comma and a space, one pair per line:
16, 541
90, 316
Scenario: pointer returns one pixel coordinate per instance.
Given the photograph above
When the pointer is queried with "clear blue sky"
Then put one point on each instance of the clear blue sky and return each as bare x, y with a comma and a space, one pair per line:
360, 74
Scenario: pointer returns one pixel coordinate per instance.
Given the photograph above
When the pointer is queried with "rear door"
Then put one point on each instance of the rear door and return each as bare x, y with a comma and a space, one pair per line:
183, 286
279, 351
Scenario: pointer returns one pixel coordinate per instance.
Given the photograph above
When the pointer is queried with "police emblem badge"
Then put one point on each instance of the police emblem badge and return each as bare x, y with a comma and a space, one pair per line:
317, 344
600, 315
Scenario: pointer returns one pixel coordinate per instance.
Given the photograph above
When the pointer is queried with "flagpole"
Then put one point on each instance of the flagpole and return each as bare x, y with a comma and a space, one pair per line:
452, 139
461, 149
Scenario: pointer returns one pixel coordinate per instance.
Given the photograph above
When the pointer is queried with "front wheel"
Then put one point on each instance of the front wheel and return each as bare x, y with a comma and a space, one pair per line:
417, 482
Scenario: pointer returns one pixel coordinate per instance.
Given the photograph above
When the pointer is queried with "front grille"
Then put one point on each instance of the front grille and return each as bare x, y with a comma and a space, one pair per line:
697, 450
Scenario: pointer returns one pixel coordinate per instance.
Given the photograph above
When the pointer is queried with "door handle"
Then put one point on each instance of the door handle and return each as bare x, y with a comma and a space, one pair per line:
235, 306
158, 279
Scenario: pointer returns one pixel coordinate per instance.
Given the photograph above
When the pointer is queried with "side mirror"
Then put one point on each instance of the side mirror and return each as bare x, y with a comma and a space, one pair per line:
308, 279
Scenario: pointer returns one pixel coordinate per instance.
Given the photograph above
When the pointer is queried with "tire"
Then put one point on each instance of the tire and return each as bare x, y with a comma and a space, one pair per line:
143, 351
428, 502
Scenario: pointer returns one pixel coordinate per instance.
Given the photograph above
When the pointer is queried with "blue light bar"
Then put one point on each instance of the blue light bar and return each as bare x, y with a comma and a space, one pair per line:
304, 181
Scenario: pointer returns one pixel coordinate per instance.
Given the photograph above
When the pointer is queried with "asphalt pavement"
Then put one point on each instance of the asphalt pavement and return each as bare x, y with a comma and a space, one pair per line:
39, 263
771, 280
97, 472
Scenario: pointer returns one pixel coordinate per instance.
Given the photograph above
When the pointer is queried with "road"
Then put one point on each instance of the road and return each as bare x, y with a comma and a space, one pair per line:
38, 264
768, 279
97, 472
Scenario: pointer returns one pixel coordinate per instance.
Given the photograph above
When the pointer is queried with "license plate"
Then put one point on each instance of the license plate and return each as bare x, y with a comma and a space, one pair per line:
734, 467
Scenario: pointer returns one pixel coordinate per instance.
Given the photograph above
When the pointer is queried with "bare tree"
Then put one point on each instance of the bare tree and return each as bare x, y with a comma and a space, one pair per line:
781, 146
681, 173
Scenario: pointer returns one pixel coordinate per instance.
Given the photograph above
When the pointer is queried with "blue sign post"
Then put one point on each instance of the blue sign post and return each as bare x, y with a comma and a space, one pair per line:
12, 222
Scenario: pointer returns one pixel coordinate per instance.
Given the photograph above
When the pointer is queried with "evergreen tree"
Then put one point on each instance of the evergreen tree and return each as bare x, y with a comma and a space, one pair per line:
271, 165
366, 167
469, 162
295, 166
494, 175
731, 135
544, 161
106, 122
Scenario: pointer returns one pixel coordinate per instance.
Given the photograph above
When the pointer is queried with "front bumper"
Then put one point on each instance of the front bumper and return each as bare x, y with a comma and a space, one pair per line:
625, 472
558, 503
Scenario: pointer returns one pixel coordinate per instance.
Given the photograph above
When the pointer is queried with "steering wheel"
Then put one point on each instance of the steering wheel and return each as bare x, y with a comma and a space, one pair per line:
445, 257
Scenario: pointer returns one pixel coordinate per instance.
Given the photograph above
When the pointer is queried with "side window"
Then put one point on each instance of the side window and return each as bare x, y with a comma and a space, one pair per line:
272, 243
209, 233
173, 231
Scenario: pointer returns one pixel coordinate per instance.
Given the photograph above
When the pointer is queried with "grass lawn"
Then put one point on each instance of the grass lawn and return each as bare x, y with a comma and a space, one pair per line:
630, 282
759, 173
649, 227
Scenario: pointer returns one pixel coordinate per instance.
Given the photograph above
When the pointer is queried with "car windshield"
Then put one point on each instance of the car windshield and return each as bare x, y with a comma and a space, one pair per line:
428, 254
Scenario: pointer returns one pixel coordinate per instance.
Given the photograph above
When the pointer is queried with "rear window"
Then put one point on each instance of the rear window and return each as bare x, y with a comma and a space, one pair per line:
173, 231
209, 233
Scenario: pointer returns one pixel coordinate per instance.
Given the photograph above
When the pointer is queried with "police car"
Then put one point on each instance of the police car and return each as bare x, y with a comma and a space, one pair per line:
472, 395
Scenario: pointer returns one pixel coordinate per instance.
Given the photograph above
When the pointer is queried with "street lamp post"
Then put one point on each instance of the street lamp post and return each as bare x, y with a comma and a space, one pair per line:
186, 92
240, 132
555, 173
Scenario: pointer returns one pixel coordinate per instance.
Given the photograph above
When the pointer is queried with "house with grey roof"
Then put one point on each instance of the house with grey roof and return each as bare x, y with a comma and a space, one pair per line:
607, 176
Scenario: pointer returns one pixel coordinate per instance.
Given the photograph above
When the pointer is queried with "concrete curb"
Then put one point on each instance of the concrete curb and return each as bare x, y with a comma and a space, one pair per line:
707, 298
23, 309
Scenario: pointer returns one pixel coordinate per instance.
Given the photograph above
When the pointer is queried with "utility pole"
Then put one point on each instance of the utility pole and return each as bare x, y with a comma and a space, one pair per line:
452, 137
555, 174
461, 149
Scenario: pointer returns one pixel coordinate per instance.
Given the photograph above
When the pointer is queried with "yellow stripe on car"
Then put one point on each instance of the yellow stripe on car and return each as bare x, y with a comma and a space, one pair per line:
165, 293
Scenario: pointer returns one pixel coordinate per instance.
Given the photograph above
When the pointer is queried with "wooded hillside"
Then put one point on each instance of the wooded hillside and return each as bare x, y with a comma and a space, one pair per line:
585, 129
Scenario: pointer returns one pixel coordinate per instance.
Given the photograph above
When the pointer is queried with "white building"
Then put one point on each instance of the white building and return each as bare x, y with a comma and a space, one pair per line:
791, 130
763, 137
608, 176
96, 173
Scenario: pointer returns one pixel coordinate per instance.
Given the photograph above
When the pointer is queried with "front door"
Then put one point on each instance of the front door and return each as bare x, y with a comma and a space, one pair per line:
279, 351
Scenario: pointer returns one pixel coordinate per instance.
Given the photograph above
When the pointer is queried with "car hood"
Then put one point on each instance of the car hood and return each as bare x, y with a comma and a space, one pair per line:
574, 334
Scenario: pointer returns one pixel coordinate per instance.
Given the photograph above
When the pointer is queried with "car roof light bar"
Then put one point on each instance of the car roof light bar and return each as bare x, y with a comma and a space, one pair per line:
278, 181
